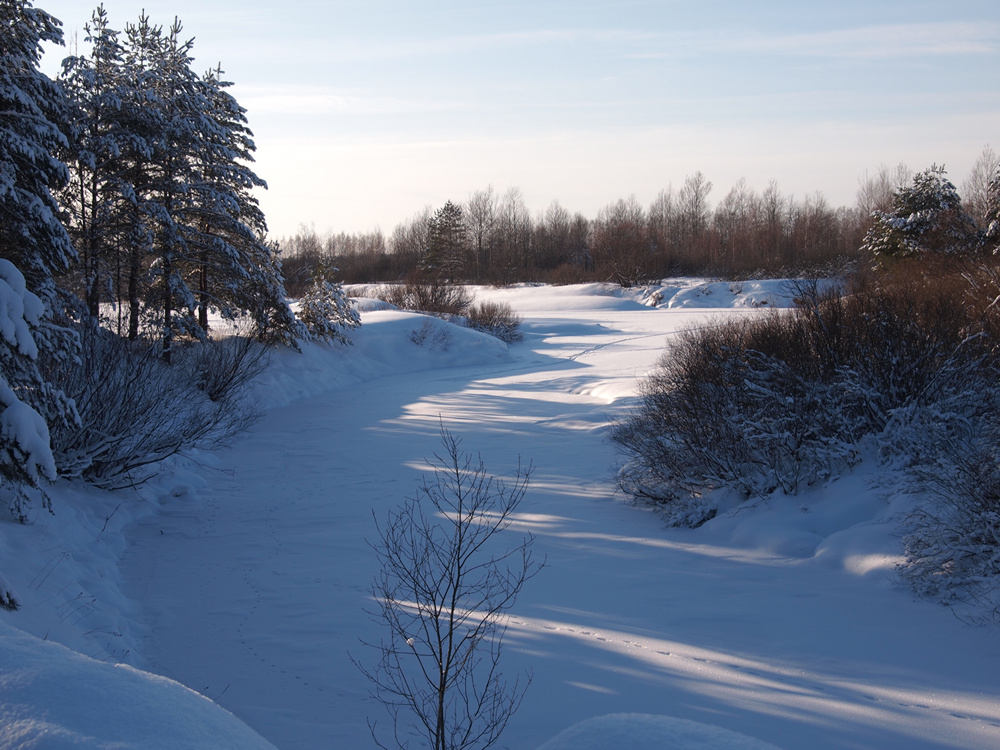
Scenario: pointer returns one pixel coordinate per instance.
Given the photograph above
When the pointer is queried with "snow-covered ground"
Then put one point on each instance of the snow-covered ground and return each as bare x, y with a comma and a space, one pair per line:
243, 574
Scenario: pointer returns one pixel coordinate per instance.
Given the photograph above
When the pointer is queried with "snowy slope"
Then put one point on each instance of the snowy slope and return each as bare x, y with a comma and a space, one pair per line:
244, 575
53, 698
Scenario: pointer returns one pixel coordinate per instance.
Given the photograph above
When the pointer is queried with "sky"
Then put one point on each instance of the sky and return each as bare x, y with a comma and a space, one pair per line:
366, 111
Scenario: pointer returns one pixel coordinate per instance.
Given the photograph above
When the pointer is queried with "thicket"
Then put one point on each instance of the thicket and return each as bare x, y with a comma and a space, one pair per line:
782, 399
136, 410
901, 361
426, 294
497, 319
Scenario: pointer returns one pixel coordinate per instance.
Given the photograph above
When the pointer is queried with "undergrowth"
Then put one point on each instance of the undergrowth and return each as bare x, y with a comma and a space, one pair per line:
905, 355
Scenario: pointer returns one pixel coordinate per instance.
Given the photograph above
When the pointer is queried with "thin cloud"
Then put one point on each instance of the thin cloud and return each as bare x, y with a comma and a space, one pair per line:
320, 101
888, 41
382, 49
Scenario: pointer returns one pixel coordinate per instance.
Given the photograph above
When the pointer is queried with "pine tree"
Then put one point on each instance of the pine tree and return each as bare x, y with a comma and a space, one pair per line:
992, 213
447, 243
32, 109
205, 230
25, 454
925, 217
235, 268
325, 310
98, 197
183, 125
144, 43
274, 321
34, 246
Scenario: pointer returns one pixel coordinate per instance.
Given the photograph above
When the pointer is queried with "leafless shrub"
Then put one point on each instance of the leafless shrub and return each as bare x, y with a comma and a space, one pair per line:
429, 295
444, 586
717, 412
226, 366
497, 319
135, 410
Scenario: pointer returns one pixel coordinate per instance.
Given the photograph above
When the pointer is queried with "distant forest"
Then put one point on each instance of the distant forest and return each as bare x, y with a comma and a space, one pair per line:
492, 238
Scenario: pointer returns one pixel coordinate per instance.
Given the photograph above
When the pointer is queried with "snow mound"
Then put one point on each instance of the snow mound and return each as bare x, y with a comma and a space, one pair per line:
389, 342
702, 294
844, 525
56, 699
650, 732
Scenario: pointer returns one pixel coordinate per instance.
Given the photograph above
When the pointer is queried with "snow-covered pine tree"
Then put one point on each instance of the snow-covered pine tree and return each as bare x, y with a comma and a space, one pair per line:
184, 127
325, 310
99, 198
236, 269
144, 43
925, 217
992, 213
34, 247
25, 453
205, 227
32, 109
274, 321
221, 220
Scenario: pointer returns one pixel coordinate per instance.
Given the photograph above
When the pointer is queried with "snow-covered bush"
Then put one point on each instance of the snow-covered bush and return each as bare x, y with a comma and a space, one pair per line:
325, 310
952, 542
8, 600
497, 319
782, 400
718, 413
432, 334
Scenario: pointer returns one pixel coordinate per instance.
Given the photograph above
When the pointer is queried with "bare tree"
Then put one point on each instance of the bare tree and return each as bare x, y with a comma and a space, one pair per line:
693, 214
443, 589
480, 218
875, 192
513, 237
734, 221
663, 226
976, 188
621, 242
410, 239
551, 237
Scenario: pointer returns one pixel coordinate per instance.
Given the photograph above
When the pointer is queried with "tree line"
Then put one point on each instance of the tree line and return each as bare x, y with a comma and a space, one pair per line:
492, 237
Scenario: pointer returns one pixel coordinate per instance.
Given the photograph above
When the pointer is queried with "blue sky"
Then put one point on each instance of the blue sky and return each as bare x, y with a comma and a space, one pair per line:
365, 111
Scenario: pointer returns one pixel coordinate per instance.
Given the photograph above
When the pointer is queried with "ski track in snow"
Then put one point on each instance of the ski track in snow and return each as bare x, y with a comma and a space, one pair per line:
254, 585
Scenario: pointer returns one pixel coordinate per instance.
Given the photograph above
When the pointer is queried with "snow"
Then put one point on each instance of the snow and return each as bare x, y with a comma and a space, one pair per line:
24, 427
244, 573
19, 309
56, 699
646, 732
